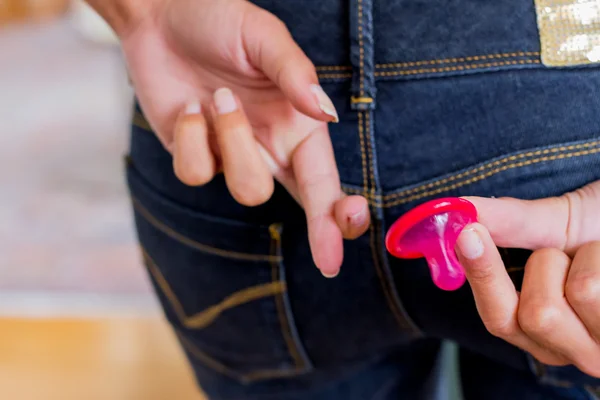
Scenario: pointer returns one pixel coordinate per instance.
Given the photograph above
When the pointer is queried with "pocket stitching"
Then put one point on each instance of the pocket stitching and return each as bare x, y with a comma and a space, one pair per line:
277, 288
489, 174
399, 197
284, 321
147, 215
205, 317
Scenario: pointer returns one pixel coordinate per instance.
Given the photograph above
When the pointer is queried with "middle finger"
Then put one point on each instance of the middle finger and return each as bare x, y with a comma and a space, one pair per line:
247, 175
546, 316
583, 287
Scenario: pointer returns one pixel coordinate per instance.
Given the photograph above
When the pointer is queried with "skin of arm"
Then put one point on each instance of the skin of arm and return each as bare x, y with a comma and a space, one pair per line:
124, 15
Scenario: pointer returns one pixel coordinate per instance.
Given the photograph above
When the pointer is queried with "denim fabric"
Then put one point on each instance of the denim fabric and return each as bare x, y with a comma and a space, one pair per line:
435, 99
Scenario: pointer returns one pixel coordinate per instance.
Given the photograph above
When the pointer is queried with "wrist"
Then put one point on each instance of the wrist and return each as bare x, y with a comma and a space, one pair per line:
124, 15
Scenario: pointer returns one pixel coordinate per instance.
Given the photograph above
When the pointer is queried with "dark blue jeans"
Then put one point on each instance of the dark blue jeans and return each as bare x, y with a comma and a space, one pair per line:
436, 98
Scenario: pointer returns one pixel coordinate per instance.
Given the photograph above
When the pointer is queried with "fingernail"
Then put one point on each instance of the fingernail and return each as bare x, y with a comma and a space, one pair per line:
224, 101
325, 103
330, 276
469, 244
193, 107
359, 218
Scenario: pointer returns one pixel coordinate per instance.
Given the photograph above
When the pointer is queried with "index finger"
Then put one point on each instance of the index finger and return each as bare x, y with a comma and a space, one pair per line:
319, 188
495, 294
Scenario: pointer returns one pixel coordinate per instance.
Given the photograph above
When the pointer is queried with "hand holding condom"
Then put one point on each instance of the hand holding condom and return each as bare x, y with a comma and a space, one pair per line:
556, 316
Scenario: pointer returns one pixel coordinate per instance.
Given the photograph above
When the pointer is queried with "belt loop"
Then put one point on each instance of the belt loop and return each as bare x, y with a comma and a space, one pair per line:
362, 55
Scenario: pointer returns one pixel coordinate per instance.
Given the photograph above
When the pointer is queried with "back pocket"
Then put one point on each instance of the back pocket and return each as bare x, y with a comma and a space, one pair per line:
222, 286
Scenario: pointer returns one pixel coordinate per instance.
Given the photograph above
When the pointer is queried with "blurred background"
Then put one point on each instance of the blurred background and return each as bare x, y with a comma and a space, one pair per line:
78, 319
77, 316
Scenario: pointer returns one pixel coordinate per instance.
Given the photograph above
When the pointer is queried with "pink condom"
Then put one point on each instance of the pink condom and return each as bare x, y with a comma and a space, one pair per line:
430, 230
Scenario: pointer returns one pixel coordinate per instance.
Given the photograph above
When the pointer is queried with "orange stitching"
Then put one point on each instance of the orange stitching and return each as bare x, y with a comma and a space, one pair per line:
459, 59
269, 374
377, 200
374, 233
197, 245
334, 76
382, 279
490, 165
370, 153
490, 173
455, 68
435, 61
219, 367
360, 48
164, 286
141, 122
350, 190
206, 359
362, 100
204, 318
275, 231
333, 68
363, 156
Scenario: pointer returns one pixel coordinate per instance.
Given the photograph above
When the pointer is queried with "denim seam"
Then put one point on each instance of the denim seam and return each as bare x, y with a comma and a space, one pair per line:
140, 121
361, 49
454, 68
459, 59
215, 365
442, 61
363, 155
147, 215
465, 63
333, 68
207, 360
284, 322
204, 318
489, 174
387, 284
485, 170
371, 159
491, 165
335, 76
366, 167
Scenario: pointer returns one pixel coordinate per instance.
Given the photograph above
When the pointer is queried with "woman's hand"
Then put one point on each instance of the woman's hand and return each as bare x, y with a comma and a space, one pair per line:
556, 316
225, 87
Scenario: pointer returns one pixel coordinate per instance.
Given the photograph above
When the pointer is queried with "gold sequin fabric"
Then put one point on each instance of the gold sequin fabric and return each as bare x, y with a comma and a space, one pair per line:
569, 31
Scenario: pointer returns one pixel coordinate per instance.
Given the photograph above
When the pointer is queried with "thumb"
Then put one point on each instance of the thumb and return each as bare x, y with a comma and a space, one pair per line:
565, 222
271, 48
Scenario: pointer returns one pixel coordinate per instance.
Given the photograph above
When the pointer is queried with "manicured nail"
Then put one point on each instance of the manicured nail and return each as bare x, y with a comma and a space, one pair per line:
193, 107
224, 101
325, 103
359, 218
469, 243
330, 276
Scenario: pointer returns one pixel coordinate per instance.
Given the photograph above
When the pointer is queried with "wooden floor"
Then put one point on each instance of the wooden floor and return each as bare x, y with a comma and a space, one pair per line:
103, 359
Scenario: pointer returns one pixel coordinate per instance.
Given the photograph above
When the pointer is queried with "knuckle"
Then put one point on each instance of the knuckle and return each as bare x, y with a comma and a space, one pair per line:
549, 358
502, 328
539, 319
483, 274
584, 290
589, 366
546, 255
252, 195
194, 176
